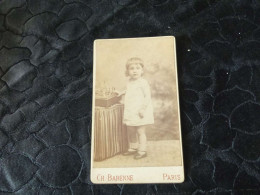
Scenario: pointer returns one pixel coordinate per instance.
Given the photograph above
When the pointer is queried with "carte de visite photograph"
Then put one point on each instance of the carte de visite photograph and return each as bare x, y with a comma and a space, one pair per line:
136, 131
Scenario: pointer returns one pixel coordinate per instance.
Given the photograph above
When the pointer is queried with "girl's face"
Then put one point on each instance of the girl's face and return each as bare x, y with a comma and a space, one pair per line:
135, 71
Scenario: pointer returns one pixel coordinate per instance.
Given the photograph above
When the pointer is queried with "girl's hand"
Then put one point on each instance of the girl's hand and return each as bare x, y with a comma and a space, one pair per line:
119, 93
141, 113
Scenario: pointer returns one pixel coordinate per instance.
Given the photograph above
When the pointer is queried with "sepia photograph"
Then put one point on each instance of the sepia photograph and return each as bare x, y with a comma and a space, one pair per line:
136, 119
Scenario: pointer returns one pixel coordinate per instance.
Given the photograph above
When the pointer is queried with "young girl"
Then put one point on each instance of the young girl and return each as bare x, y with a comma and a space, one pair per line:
138, 111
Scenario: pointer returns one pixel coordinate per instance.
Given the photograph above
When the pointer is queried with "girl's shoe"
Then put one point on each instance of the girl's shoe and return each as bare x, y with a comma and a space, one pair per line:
139, 156
128, 153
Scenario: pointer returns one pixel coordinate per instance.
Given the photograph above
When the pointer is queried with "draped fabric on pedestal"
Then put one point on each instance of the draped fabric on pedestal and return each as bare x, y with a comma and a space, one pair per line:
110, 133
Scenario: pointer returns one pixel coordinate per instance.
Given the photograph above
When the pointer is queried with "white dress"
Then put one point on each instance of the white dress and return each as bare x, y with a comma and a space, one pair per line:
137, 97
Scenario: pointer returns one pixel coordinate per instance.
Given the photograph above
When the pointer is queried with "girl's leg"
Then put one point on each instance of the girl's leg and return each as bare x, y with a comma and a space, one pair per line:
142, 139
132, 138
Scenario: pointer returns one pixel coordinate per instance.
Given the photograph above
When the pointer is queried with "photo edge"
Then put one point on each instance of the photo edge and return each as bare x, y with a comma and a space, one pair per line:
170, 38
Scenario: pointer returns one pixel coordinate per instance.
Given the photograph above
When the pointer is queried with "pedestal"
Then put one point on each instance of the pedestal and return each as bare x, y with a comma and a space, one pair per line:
110, 133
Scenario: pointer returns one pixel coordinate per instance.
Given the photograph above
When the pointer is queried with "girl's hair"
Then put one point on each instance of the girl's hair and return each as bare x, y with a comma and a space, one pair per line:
134, 60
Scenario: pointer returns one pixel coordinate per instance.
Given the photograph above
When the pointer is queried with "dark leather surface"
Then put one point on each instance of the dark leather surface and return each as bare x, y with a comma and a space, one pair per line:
46, 85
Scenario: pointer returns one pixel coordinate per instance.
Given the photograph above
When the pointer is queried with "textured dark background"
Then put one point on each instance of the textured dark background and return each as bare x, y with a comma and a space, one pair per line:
46, 85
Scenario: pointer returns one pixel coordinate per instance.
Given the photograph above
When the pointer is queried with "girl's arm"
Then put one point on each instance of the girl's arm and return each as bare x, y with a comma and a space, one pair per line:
120, 93
147, 99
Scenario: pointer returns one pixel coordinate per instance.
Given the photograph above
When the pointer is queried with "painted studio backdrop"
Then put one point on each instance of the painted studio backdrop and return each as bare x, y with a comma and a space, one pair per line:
158, 71
163, 137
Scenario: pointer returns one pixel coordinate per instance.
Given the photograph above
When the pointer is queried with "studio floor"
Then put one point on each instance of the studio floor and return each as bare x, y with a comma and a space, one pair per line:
159, 153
